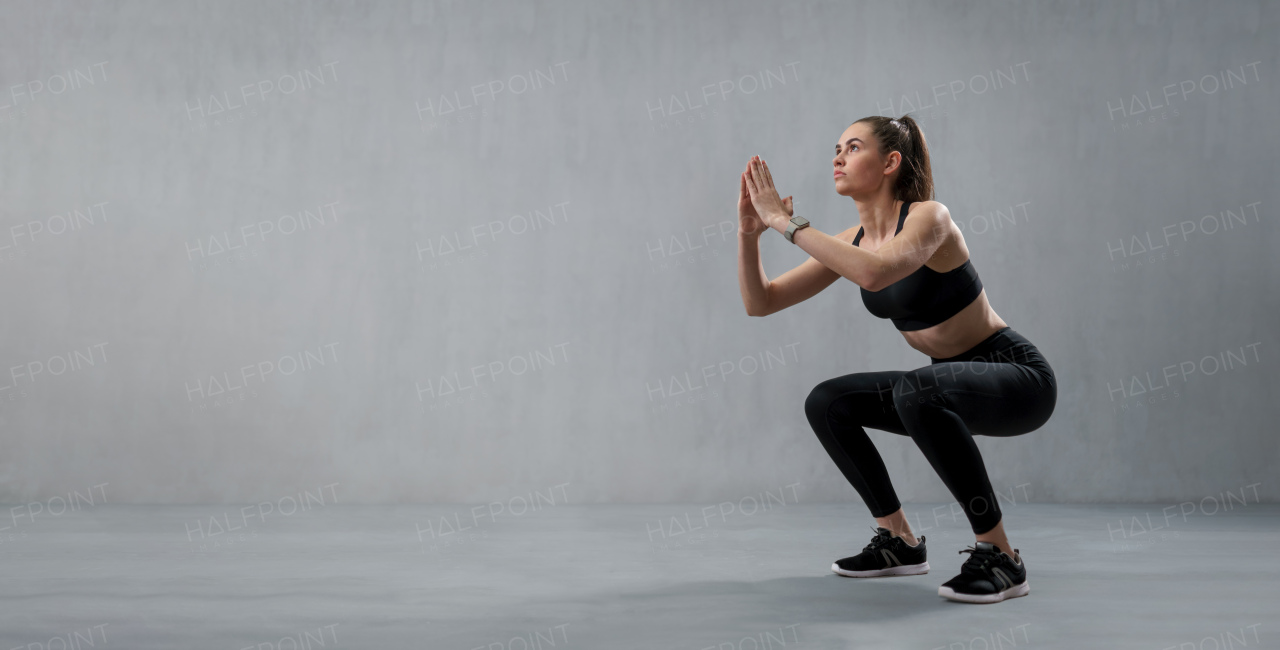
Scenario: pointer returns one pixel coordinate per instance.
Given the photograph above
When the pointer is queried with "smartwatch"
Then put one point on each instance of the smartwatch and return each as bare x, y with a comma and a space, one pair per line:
796, 224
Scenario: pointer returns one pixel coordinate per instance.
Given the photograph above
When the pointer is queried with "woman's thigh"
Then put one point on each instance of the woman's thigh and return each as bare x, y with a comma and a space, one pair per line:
993, 399
862, 398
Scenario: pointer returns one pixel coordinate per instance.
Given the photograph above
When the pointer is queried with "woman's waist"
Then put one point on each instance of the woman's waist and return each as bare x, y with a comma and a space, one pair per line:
1005, 345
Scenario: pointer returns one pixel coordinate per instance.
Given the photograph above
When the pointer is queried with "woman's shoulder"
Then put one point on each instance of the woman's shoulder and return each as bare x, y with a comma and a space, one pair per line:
935, 207
932, 213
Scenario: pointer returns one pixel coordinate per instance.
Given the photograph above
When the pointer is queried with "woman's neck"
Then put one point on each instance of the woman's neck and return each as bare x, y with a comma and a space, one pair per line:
879, 218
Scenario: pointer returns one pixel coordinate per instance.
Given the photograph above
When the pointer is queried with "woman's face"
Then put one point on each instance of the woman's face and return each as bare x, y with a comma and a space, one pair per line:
859, 167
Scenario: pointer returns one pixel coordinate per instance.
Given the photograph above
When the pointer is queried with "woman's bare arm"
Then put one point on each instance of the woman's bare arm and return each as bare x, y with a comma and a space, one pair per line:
752, 280
927, 227
901, 256
920, 237
763, 297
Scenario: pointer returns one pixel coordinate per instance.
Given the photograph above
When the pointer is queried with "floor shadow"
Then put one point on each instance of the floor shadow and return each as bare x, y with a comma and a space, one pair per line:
799, 610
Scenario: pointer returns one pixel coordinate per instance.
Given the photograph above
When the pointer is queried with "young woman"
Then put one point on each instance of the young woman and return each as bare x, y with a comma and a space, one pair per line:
913, 268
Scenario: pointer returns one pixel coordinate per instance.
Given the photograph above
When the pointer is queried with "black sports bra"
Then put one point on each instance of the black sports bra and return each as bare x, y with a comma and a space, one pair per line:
926, 297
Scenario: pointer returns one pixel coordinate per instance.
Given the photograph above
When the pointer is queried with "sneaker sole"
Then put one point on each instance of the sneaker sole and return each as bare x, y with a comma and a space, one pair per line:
903, 570
1012, 592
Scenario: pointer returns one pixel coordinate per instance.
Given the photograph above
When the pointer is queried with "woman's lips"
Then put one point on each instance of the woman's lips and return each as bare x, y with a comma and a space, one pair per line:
837, 174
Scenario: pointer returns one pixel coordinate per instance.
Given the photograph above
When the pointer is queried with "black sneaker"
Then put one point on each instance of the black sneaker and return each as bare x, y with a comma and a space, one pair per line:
988, 576
886, 555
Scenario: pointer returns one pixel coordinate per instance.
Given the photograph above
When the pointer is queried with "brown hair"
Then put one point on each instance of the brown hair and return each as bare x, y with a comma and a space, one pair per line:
915, 175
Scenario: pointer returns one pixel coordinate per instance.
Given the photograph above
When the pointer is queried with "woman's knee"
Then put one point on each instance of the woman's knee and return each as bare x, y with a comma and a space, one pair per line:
852, 391
819, 400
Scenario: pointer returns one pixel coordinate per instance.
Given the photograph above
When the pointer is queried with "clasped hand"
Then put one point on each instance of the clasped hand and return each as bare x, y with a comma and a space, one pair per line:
758, 199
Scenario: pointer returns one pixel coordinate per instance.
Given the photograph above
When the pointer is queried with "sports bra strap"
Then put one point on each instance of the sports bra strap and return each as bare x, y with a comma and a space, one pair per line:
902, 219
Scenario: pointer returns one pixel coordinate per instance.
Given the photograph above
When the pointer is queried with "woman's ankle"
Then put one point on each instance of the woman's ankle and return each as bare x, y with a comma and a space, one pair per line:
1001, 546
896, 521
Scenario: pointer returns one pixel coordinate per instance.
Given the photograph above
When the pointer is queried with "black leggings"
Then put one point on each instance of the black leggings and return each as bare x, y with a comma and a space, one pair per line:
1000, 387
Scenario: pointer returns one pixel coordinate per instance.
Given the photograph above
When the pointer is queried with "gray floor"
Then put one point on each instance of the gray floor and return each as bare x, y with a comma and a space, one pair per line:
652, 576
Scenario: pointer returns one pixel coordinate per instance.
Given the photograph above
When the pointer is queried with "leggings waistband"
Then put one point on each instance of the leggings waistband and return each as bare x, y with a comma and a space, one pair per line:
1004, 345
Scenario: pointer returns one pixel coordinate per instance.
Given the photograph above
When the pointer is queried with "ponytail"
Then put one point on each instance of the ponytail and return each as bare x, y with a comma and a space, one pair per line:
915, 176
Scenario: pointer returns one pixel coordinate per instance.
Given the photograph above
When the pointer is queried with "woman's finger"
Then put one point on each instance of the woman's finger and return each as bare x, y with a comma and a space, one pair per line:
767, 174
760, 178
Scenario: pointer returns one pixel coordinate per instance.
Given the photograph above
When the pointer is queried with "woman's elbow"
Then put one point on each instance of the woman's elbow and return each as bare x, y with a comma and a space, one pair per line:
759, 310
868, 281
875, 278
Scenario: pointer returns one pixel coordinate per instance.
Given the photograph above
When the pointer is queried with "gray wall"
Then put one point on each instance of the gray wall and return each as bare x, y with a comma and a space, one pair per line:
423, 252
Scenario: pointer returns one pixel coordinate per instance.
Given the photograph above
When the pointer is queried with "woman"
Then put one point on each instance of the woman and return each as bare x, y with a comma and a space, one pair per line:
913, 267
